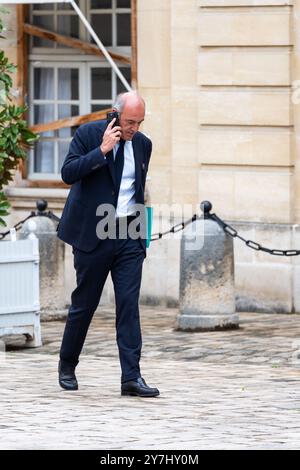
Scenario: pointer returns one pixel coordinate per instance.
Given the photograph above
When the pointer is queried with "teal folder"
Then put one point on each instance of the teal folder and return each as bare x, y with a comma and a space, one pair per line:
149, 218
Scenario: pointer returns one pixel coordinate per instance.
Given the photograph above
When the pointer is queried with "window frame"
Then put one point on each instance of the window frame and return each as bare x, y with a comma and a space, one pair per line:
23, 59
84, 102
81, 102
54, 50
84, 5
114, 10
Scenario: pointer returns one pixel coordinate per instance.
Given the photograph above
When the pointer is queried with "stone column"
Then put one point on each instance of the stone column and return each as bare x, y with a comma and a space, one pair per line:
52, 253
207, 300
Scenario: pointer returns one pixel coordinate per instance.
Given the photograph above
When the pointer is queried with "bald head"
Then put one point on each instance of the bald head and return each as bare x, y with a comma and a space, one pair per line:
131, 108
128, 99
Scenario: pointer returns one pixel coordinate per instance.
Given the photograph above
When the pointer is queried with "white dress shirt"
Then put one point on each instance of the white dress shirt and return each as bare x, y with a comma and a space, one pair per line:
126, 197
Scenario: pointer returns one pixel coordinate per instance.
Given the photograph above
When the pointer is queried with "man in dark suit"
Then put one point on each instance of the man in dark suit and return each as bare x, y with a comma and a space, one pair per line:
106, 167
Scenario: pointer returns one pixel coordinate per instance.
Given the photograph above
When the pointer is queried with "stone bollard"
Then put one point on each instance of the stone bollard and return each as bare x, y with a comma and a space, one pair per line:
207, 298
52, 255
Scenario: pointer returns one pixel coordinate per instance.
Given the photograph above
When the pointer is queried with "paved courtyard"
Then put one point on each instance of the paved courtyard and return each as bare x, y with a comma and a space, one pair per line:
236, 389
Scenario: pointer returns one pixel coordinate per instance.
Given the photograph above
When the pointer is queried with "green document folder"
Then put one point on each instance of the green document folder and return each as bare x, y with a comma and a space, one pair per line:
149, 218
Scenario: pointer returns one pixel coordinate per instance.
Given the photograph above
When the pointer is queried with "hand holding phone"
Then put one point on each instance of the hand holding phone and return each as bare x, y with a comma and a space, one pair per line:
113, 115
111, 135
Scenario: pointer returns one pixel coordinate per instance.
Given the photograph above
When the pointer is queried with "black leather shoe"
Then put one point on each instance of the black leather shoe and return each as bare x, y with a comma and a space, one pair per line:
66, 377
138, 388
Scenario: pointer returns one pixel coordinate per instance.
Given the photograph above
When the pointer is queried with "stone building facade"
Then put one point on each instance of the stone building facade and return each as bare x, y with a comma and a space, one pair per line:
221, 80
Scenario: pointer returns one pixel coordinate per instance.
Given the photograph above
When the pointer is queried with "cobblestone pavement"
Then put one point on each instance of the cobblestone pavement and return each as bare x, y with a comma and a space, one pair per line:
236, 389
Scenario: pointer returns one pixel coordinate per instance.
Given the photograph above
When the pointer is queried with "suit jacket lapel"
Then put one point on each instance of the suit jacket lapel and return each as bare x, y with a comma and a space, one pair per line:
138, 154
111, 165
109, 158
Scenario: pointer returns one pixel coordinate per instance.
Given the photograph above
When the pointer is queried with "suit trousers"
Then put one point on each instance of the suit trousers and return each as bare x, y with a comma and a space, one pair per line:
123, 258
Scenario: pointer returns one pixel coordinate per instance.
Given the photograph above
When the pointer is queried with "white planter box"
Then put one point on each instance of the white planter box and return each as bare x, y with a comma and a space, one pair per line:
19, 290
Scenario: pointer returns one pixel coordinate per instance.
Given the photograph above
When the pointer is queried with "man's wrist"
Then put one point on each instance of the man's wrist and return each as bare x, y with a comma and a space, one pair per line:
103, 151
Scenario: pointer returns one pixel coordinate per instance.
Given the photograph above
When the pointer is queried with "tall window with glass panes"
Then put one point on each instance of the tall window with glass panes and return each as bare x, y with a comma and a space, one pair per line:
65, 82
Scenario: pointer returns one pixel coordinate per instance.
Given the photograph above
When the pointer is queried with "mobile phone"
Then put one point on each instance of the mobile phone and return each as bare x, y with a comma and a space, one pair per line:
112, 115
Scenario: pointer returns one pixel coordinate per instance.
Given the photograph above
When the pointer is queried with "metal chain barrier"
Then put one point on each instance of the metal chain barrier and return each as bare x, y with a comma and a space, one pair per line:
176, 228
17, 226
41, 206
250, 243
206, 207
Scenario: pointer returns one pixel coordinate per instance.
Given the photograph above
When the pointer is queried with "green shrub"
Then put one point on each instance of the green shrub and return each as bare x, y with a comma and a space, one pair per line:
15, 137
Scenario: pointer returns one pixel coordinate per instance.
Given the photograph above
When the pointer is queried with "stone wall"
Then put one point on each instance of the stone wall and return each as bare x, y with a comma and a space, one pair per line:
231, 136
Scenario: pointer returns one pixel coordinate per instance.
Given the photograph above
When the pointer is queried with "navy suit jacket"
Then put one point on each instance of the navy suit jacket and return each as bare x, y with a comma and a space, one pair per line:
93, 183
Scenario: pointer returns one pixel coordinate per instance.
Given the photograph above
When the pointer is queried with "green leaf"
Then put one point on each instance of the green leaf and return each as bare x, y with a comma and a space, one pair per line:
11, 68
4, 205
27, 134
3, 213
3, 223
6, 79
14, 129
21, 109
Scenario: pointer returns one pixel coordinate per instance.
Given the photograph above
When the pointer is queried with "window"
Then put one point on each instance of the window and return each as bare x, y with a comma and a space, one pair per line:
111, 21
54, 95
66, 82
58, 17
